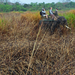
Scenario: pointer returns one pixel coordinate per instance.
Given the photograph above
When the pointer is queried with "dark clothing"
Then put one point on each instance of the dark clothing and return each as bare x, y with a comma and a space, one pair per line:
56, 13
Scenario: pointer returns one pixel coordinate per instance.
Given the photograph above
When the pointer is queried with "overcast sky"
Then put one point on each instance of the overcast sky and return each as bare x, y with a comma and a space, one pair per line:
34, 1
38, 1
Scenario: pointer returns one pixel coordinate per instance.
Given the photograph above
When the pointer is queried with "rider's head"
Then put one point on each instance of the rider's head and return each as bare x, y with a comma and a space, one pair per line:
51, 8
42, 9
56, 9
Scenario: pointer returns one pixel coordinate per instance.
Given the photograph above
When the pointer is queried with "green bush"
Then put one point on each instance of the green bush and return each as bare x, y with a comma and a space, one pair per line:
70, 18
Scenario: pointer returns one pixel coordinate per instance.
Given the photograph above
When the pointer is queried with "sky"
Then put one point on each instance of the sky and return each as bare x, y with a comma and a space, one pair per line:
38, 1
34, 1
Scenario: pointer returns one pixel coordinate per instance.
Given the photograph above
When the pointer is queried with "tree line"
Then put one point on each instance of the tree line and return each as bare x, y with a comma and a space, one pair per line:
8, 6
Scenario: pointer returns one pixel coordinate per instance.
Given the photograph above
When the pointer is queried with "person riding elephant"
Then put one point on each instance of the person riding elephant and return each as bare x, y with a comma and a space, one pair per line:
44, 13
51, 13
56, 12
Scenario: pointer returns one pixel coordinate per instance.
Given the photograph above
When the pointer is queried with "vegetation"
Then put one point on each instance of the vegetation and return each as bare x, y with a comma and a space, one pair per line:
7, 6
70, 16
26, 48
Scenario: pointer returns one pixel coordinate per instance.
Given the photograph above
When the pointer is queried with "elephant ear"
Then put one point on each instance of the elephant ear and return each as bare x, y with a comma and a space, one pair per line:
65, 20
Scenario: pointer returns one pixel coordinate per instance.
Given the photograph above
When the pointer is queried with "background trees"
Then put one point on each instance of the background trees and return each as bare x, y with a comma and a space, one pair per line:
7, 6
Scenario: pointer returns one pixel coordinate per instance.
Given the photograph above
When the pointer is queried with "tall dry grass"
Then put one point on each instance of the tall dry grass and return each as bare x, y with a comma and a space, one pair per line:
26, 48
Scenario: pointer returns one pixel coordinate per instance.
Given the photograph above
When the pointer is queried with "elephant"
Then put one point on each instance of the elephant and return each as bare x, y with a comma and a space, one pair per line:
53, 24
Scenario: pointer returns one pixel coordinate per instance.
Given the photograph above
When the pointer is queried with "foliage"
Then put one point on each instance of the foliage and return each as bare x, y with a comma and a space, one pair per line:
3, 26
70, 16
6, 7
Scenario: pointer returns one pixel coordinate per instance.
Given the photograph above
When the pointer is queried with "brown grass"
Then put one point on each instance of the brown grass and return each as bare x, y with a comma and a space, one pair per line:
72, 11
28, 49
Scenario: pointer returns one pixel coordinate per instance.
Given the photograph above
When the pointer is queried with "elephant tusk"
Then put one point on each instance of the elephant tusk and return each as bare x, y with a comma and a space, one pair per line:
67, 27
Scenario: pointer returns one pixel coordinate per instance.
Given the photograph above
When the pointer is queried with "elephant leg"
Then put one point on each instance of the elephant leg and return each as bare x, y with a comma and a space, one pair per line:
59, 31
50, 26
52, 29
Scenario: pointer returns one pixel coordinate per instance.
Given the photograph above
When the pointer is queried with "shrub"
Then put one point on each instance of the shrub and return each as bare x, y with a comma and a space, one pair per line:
3, 25
70, 16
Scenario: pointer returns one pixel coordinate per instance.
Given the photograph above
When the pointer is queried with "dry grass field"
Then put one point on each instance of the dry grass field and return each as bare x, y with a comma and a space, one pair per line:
26, 49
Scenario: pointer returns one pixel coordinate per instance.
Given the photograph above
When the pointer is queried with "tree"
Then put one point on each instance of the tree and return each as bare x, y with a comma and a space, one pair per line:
25, 5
